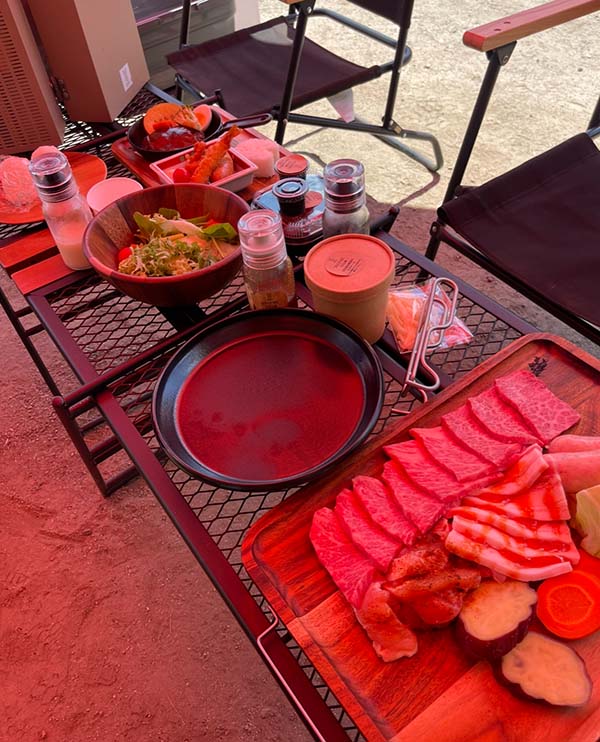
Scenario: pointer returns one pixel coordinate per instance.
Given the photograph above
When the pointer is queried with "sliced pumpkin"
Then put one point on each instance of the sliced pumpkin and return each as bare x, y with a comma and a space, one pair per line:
203, 113
159, 112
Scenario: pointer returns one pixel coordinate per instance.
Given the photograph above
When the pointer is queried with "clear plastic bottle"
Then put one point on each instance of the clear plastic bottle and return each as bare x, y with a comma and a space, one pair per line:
267, 268
345, 199
65, 209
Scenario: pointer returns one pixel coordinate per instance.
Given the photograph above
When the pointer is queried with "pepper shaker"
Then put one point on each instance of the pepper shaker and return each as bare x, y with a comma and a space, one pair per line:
345, 198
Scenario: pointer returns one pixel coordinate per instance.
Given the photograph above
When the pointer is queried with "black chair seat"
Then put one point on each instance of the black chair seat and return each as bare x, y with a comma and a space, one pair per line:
540, 223
263, 53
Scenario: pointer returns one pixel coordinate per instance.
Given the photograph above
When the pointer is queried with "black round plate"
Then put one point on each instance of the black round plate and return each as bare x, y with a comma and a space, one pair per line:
267, 399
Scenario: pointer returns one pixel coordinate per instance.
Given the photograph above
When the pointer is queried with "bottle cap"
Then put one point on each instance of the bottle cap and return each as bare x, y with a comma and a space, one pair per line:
291, 194
344, 184
292, 166
52, 176
261, 239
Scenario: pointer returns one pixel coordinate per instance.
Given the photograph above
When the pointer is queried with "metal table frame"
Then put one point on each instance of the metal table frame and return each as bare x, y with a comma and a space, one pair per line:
117, 347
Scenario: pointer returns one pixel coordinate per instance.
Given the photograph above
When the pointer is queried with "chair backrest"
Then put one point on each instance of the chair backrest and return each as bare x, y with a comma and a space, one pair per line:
397, 11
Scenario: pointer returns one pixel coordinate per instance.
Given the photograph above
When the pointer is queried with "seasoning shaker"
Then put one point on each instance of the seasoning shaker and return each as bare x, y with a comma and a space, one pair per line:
64, 208
345, 198
267, 268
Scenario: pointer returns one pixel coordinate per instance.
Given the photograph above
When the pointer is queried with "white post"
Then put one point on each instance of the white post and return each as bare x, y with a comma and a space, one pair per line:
246, 13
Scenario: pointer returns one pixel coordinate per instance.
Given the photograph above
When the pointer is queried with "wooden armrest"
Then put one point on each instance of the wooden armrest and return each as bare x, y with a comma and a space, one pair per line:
527, 22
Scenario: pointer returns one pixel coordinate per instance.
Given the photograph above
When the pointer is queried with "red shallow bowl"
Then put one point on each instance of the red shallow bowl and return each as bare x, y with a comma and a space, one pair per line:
113, 228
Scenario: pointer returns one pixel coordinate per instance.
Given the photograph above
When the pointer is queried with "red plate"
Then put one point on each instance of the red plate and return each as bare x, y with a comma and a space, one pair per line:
267, 399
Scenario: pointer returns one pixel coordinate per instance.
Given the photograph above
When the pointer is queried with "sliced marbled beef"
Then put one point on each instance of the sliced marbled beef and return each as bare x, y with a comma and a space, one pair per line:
542, 410
419, 507
464, 426
379, 504
425, 472
500, 419
351, 571
369, 538
452, 455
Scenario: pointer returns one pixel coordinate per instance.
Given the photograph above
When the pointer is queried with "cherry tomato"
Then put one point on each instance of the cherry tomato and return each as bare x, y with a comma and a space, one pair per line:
123, 254
180, 175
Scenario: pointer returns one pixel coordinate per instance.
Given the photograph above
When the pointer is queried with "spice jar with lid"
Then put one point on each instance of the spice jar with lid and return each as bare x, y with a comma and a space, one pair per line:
267, 268
300, 203
345, 198
349, 276
64, 208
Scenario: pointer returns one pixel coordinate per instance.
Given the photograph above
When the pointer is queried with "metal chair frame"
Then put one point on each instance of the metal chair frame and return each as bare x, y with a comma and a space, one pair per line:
440, 232
388, 132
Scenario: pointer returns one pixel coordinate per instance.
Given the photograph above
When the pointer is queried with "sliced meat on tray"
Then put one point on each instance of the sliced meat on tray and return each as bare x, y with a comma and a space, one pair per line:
369, 538
449, 578
521, 476
543, 411
424, 472
428, 555
391, 638
506, 562
440, 608
499, 419
351, 571
529, 548
545, 500
464, 426
452, 455
379, 504
528, 528
419, 507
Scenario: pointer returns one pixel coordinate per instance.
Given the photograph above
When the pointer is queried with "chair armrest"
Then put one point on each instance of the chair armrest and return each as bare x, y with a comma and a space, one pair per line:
527, 22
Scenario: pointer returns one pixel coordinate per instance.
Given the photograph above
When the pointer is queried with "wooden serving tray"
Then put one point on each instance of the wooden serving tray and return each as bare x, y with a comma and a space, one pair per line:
438, 695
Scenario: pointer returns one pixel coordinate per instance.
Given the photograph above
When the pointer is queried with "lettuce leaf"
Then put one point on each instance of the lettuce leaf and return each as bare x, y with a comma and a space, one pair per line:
220, 232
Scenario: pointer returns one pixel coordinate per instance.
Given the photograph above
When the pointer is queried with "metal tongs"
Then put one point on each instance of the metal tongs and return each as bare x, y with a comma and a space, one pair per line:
430, 334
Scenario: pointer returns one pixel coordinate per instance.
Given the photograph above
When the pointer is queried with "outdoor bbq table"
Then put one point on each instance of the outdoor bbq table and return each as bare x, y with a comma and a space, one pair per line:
117, 347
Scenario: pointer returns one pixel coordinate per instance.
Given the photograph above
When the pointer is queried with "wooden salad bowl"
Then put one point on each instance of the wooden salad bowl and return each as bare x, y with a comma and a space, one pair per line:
114, 228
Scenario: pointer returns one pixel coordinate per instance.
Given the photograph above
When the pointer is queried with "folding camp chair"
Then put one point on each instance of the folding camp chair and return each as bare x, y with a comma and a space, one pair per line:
536, 227
272, 67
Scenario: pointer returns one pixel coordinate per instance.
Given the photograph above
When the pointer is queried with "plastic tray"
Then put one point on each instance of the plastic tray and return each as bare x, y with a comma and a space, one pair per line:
242, 176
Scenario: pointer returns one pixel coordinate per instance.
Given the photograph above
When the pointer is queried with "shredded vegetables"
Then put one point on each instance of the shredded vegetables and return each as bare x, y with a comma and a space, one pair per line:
170, 245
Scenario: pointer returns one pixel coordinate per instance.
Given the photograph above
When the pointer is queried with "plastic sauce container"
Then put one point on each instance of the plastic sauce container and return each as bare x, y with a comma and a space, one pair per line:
349, 276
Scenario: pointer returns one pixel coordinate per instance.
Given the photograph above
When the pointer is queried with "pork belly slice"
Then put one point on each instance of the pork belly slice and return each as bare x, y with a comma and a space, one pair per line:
391, 638
545, 500
351, 571
425, 473
419, 507
453, 456
527, 528
383, 510
425, 556
506, 562
521, 476
366, 536
545, 413
528, 548
464, 427
500, 419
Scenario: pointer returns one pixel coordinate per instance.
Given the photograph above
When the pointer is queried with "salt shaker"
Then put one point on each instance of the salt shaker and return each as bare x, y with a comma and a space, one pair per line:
64, 208
345, 198
267, 268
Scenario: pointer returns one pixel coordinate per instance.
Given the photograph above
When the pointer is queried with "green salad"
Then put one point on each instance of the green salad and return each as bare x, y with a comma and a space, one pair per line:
169, 245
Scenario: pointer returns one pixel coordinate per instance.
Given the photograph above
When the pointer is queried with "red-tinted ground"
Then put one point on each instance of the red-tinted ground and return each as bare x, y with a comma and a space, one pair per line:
109, 629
